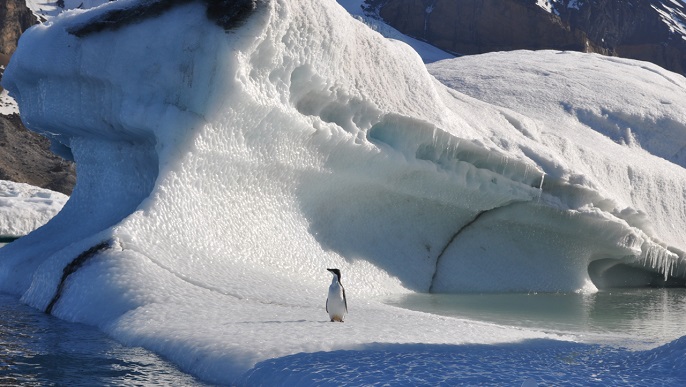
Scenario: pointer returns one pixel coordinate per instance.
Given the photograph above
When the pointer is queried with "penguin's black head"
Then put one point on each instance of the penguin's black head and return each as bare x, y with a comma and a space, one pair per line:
336, 272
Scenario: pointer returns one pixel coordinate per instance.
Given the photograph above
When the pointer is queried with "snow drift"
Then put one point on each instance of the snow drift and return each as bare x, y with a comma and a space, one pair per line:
24, 208
227, 155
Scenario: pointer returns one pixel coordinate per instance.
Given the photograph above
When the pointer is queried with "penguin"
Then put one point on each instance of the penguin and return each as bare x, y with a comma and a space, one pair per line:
336, 304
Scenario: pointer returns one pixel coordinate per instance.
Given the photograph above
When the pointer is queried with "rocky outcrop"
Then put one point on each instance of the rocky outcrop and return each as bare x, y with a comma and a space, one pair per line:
649, 30
25, 157
640, 29
15, 18
479, 26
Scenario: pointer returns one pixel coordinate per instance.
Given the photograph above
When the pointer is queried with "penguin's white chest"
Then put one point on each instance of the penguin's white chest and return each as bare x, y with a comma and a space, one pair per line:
335, 303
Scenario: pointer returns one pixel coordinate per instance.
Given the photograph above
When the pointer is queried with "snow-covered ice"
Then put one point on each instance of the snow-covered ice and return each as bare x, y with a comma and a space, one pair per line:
24, 208
46, 10
619, 153
223, 165
8, 105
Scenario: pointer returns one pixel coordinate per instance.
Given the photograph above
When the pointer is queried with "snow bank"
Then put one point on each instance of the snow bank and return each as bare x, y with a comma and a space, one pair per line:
24, 208
226, 159
8, 105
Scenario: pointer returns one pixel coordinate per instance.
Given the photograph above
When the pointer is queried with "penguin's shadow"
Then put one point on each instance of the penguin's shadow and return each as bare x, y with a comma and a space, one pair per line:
285, 321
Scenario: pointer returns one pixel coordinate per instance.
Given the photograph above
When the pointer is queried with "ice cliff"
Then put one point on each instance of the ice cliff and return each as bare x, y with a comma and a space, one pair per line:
229, 152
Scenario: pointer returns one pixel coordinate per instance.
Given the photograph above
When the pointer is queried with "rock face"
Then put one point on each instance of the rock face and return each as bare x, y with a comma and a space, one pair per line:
15, 18
649, 30
25, 157
479, 26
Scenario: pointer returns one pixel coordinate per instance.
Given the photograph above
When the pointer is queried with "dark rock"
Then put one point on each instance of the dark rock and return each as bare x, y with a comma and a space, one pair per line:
479, 26
225, 13
72, 267
15, 18
634, 29
120, 17
25, 157
229, 13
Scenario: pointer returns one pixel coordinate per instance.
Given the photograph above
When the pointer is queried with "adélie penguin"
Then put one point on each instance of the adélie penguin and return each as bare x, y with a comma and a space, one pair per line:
336, 304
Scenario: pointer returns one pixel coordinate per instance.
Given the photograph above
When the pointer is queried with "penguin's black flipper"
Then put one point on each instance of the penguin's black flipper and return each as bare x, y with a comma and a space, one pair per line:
345, 300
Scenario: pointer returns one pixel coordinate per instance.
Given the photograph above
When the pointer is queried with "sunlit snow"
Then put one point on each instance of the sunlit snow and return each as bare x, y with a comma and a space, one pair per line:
224, 165
24, 208
546, 5
8, 105
45, 10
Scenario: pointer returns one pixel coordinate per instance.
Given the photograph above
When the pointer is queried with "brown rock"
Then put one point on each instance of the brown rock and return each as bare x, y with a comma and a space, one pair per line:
15, 18
25, 157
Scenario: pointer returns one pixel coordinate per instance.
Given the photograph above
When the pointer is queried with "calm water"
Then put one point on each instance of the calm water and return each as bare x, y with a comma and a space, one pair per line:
40, 350
639, 318
628, 316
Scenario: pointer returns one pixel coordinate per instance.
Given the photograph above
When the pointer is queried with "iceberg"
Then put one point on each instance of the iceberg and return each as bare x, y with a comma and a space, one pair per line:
229, 152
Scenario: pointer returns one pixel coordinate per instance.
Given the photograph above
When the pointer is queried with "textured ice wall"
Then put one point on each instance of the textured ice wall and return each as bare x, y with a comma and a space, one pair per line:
293, 141
615, 131
264, 139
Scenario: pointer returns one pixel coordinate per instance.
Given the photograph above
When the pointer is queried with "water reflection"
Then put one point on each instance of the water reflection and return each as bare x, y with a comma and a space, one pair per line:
653, 316
657, 313
39, 350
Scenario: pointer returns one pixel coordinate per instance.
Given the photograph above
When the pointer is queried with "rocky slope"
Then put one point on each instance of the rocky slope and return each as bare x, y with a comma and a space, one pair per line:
15, 18
650, 30
25, 157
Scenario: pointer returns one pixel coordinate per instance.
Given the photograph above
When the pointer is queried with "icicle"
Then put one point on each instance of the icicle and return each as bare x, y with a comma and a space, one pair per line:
540, 189
659, 259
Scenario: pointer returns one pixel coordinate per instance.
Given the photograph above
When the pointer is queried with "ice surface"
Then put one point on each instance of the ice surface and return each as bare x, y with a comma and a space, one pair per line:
616, 157
225, 168
532, 363
24, 208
